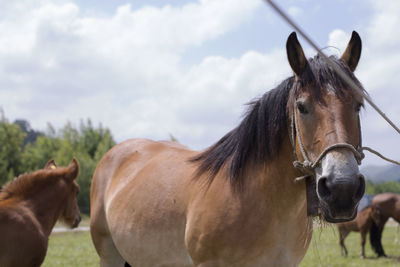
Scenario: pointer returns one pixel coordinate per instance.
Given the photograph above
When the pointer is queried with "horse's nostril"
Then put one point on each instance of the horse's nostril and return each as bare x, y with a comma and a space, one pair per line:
323, 189
361, 188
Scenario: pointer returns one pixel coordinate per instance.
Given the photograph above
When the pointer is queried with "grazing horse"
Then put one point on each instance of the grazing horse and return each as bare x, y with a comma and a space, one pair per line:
362, 224
389, 204
237, 203
30, 205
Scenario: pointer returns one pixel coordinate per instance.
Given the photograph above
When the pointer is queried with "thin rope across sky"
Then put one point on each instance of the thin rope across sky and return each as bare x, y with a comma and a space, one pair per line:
343, 75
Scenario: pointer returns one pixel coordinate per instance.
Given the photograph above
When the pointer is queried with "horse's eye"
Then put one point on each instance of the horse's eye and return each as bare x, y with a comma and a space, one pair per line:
358, 107
302, 108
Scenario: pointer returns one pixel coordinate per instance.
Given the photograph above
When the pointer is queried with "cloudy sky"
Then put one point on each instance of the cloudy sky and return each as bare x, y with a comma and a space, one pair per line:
158, 67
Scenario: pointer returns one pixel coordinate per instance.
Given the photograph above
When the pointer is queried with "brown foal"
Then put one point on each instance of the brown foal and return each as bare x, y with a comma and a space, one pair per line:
362, 224
30, 205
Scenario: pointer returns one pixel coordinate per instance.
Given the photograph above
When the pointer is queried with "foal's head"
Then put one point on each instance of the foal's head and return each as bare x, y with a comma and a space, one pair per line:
68, 190
324, 111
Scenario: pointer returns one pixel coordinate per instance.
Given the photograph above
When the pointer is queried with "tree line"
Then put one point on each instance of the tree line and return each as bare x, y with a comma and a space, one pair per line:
23, 149
383, 187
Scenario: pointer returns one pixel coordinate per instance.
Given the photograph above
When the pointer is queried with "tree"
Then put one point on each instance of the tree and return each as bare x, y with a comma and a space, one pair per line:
377, 188
36, 155
11, 140
87, 144
31, 135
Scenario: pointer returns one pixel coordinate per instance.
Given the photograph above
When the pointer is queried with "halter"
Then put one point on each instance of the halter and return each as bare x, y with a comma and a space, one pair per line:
308, 166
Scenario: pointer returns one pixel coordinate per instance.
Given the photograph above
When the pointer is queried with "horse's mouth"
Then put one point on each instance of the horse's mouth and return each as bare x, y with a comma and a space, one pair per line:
77, 221
333, 215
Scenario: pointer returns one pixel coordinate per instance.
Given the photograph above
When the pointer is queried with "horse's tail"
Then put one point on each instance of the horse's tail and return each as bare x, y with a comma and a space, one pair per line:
375, 237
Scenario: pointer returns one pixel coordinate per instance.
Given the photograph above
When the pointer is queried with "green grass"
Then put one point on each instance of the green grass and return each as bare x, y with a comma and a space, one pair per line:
325, 251
71, 249
76, 250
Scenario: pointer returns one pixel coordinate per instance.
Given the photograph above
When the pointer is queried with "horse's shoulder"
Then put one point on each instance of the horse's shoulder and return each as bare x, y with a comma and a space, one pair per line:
16, 214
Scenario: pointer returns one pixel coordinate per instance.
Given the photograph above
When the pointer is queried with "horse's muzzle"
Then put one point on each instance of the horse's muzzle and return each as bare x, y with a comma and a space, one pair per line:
77, 221
340, 187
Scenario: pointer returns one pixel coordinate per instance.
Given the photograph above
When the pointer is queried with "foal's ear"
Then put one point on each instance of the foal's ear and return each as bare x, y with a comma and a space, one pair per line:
353, 51
295, 54
51, 164
73, 170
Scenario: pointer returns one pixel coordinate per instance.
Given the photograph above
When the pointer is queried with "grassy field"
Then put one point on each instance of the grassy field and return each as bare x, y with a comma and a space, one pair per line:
76, 249
324, 250
71, 249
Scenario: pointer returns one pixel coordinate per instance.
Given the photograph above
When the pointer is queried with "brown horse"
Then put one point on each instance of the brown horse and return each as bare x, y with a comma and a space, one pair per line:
362, 224
389, 204
237, 203
30, 205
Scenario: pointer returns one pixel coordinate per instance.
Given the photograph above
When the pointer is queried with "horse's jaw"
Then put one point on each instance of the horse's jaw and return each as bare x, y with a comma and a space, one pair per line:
340, 186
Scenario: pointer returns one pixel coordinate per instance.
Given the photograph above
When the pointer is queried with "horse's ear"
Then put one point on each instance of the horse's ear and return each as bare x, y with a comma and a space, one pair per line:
73, 170
51, 164
295, 54
353, 51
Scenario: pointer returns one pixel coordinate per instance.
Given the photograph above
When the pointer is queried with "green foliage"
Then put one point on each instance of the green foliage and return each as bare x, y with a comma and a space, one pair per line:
377, 188
86, 143
30, 134
11, 142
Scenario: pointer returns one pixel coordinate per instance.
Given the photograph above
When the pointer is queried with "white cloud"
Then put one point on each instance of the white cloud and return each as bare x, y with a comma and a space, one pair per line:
295, 11
124, 70
338, 39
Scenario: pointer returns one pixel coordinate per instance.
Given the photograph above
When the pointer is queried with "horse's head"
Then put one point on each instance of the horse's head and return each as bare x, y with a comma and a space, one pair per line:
324, 118
70, 210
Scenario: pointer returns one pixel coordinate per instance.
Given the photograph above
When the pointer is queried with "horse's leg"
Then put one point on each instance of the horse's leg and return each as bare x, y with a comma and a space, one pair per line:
363, 235
101, 236
342, 235
109, 255
396, 240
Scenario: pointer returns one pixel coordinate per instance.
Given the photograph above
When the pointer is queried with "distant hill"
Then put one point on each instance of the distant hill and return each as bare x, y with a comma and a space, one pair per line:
379, 174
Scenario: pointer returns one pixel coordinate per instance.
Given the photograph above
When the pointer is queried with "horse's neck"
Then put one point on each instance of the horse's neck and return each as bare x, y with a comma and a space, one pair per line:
47, 208
278, 180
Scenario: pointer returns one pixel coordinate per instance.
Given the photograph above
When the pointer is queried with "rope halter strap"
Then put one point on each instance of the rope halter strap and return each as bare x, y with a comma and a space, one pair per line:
308, 166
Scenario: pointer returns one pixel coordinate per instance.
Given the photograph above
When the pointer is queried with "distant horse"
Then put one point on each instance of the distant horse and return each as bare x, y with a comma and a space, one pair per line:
389, 204
30, 205
362, 224
237, 202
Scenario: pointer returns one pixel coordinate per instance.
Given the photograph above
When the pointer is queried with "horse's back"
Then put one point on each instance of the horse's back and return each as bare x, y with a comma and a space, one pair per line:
139, 197
389, 205
20, 235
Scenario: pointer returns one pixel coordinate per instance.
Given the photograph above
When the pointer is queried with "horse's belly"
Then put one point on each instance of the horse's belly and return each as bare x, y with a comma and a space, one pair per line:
150, 246
148, 227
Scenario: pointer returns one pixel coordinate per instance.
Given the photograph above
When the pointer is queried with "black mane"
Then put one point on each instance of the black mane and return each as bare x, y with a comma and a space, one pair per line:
259, 136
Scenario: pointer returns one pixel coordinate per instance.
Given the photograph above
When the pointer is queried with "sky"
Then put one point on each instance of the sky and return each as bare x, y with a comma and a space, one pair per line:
158, 67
